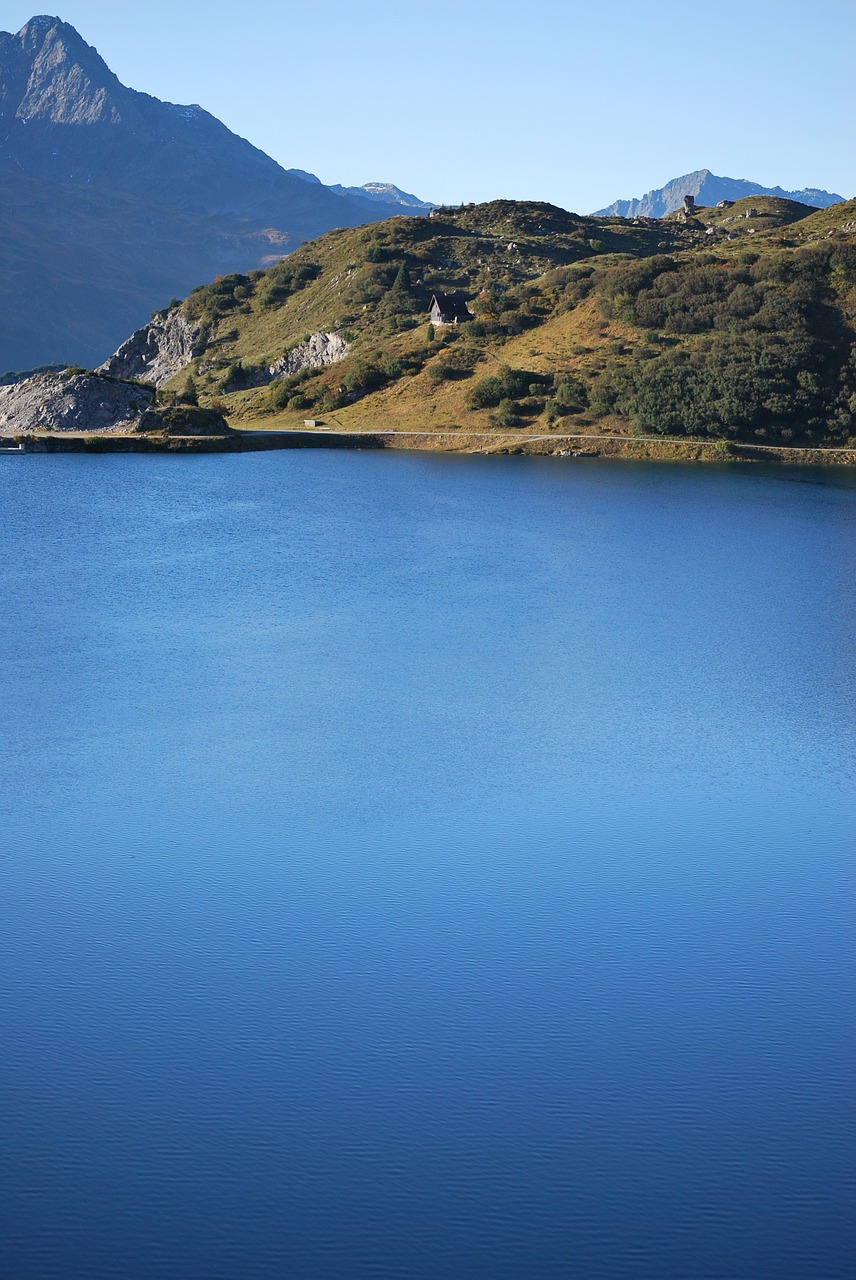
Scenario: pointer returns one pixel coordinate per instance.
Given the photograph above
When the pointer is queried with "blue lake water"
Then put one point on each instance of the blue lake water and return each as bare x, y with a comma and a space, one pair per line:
424, 867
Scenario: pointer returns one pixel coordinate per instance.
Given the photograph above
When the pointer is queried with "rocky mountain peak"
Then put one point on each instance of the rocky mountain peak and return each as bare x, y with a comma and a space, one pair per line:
127, 200
58, 41
53, 75
33, 33
708, 189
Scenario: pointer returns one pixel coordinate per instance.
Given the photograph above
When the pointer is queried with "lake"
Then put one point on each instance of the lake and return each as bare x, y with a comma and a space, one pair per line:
421, 866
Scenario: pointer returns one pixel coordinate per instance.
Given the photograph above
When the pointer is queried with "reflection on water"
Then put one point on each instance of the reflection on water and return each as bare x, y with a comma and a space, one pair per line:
425, 866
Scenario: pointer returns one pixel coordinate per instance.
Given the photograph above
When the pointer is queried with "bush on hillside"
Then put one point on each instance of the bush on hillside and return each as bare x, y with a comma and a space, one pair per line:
283, 280
507, 384
507, 414
570, 395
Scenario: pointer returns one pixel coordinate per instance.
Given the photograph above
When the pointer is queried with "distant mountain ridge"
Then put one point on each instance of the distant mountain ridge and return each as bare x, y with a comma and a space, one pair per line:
160, 197
382, 192
385, 193
708, 189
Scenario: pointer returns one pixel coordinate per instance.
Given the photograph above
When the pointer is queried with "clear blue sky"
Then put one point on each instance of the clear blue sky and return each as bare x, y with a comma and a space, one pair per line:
577, 103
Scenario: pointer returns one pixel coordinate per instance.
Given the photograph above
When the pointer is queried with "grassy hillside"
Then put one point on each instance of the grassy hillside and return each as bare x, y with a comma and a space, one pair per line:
724, 326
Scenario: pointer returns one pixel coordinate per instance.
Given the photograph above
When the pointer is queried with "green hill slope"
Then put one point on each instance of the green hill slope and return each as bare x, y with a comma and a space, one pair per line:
721, 327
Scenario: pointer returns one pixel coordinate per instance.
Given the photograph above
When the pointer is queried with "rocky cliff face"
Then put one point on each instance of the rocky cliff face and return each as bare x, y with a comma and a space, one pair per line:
319, 350
72, 402
708, 189
157, 352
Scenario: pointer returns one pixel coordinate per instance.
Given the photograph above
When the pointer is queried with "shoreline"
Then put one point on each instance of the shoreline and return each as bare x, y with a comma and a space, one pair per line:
568, 445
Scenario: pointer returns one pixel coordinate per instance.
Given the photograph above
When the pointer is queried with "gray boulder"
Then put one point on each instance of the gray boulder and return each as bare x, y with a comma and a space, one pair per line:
80, 402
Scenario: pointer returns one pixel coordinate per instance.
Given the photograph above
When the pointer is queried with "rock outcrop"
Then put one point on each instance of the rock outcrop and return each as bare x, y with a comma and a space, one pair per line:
157, 352
72, 402
318, 350
184, 420
93, 404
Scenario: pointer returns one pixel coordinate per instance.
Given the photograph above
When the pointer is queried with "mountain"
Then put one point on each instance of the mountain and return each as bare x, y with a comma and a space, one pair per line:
385, 193
121, 200
381, 192
708, 190
736, 328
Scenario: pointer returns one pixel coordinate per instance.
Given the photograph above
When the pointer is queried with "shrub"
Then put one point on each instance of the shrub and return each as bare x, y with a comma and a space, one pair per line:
508, 384
279, 395
393, 367
363, 376
189, 395
370, 283
507, 414
300, 401
486, 394
571, 396
282, 280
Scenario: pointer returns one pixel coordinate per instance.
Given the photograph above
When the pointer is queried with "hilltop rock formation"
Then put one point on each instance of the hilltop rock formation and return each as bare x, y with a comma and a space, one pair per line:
707, 190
